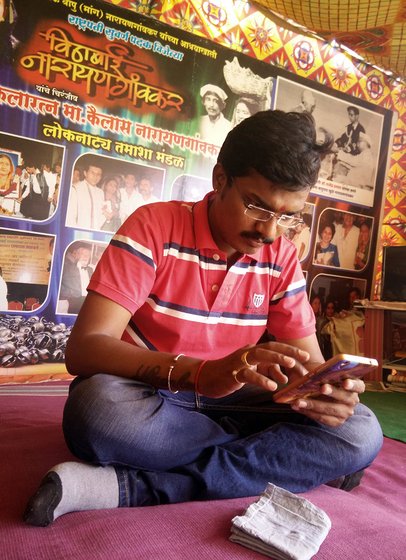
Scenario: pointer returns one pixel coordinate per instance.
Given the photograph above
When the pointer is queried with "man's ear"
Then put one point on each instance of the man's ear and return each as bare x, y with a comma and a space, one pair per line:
219, 178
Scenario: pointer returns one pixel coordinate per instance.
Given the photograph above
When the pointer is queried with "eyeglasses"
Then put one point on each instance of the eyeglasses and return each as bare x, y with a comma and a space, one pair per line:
262, 215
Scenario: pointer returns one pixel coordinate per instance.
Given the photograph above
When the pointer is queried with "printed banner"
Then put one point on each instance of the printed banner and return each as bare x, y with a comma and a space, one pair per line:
103, 110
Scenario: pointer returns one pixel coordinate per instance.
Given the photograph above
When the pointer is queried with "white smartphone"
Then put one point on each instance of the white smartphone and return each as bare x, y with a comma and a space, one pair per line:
338, 368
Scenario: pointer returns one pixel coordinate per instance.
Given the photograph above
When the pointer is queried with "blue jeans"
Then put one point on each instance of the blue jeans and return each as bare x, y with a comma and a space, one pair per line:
166, 448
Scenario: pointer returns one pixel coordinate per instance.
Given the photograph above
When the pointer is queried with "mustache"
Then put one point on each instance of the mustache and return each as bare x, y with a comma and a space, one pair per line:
257, 237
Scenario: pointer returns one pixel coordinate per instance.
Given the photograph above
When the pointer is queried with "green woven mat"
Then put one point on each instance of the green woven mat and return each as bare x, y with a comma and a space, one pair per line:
390, 409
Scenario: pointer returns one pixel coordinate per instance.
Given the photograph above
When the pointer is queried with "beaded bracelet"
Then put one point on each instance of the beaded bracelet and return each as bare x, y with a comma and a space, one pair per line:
171, 368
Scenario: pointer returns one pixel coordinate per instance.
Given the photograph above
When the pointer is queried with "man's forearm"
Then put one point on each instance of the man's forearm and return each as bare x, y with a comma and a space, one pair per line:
99, 353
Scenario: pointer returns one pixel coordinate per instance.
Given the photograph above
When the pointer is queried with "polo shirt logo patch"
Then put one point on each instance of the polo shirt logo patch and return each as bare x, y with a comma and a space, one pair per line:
258, 300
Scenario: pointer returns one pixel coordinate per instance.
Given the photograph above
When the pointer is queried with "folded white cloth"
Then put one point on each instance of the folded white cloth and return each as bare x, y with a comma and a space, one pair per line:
281, 525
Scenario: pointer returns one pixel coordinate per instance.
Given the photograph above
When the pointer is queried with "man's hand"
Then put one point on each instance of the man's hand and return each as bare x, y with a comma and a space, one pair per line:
259, 365
334, 405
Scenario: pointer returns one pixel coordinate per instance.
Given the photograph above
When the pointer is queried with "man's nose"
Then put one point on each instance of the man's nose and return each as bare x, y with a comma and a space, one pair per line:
268, 229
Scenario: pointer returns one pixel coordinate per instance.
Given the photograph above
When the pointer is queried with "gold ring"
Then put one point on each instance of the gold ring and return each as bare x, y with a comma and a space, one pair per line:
234, 374
244, 360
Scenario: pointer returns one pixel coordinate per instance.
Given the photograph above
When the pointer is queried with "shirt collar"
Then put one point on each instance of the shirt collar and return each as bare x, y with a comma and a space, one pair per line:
201, 226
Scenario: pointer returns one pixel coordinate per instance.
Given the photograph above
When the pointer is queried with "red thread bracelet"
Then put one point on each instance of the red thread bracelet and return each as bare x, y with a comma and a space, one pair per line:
199, 371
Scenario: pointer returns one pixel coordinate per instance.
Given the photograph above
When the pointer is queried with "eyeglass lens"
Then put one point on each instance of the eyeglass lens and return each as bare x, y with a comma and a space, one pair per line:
263, 215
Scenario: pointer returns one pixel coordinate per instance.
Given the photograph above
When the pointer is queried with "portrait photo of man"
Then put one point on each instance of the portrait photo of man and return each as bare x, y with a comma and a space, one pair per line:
214, 126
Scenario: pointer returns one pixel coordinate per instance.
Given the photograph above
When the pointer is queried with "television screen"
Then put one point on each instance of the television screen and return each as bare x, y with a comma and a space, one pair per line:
394, 273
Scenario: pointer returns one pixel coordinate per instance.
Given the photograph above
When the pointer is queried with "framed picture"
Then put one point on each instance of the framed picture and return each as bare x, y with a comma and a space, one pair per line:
349, 171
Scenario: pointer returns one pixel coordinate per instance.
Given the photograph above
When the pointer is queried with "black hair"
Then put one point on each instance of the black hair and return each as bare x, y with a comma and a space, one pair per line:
356, 290
78, 245
89, 160
280, 146
323, 226
249, 102
92, 163
307, 219
107, 178
353, 109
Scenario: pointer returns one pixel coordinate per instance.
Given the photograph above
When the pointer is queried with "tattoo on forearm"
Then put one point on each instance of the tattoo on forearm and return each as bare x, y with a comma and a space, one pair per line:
150, 374
153, 376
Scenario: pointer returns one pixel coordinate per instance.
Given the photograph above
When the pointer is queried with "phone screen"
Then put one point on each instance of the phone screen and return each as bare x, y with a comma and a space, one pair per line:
333, 371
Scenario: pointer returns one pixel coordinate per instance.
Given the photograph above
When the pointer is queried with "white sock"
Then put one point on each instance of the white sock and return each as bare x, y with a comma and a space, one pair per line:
86, 487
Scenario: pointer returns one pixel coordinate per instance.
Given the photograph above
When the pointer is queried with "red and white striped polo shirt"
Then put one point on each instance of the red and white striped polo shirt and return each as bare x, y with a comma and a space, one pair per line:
165, 268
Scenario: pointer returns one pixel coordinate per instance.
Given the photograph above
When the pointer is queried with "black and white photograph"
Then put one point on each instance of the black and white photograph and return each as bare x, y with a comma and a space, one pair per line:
349, 171
226, 101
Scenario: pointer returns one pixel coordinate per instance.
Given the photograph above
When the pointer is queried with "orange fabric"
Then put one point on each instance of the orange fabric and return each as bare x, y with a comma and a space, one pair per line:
374, 29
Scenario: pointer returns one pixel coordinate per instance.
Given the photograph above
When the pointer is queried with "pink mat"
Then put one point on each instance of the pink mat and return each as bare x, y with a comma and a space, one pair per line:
368, 523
